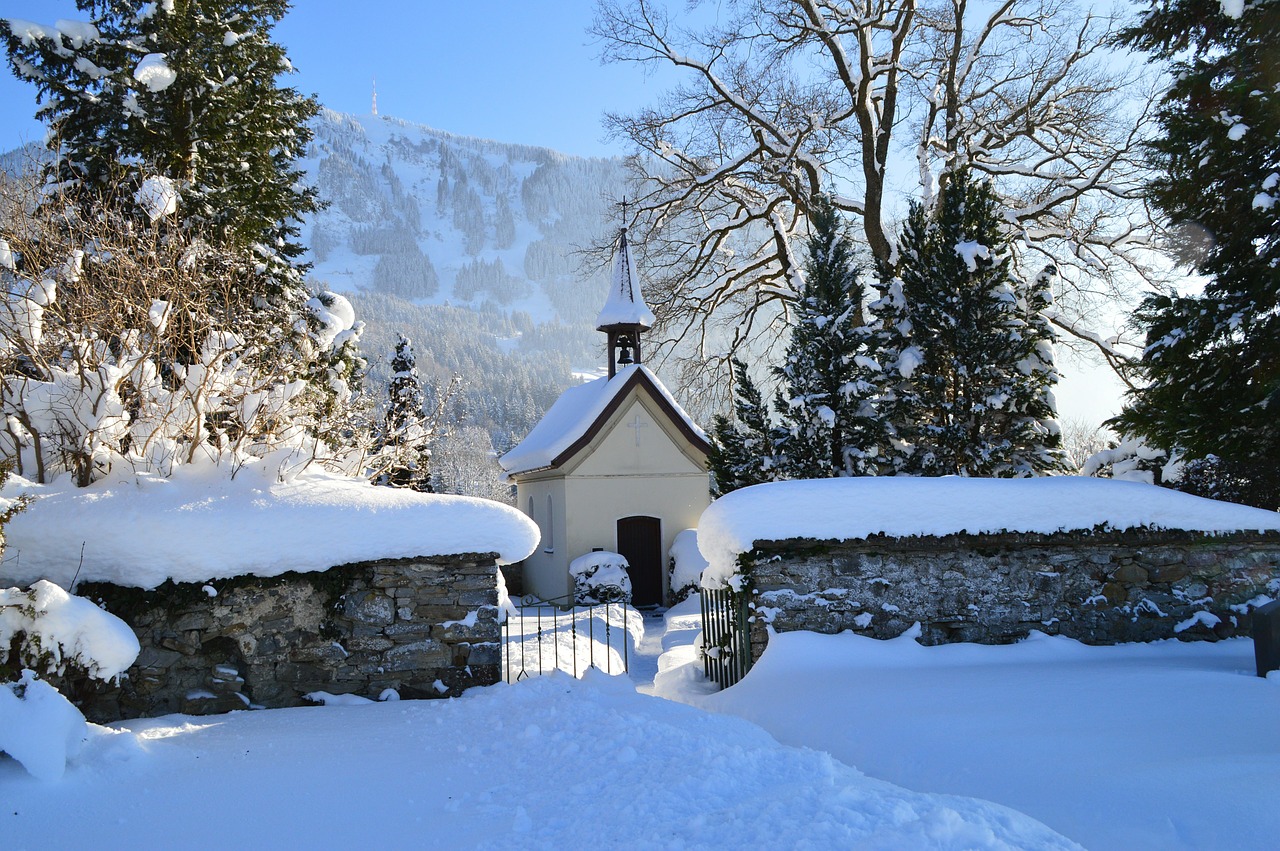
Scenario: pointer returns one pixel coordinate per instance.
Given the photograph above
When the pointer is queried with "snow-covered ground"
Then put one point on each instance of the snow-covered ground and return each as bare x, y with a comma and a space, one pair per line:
829, 742
549, 763
1167, 745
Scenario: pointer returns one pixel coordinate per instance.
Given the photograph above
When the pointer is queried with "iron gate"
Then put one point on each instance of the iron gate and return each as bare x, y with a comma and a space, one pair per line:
726, 636
554, 635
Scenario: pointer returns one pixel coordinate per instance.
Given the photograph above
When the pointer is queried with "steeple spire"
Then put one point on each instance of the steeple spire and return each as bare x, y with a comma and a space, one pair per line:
625, 313
375, 95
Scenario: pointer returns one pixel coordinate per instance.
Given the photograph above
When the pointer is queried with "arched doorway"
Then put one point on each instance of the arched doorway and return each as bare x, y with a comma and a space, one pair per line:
640, 542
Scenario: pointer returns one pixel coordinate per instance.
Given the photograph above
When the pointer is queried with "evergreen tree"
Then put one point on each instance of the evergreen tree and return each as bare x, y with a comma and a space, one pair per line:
742, 451
829, 426
973, 396
185, 90
1213, 360
405, 434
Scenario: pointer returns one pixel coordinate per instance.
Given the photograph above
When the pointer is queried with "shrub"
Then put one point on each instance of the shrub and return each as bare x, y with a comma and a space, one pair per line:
600, 577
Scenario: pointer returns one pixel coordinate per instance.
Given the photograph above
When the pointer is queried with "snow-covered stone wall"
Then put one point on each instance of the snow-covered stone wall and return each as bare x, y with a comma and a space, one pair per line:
422, 627
1099, 588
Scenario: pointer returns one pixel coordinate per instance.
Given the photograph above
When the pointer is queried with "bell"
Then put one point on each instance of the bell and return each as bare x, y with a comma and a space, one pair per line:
624, 354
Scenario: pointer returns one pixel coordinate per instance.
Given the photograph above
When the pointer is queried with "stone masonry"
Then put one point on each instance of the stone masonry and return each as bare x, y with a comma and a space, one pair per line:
1099, 588
425, 627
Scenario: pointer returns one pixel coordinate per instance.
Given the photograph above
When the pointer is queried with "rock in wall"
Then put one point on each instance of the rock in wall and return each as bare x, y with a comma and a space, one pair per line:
1100, 588
425, 627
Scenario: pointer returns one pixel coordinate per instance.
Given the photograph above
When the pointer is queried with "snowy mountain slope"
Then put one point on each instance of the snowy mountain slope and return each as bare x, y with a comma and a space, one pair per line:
469, 247
426, 215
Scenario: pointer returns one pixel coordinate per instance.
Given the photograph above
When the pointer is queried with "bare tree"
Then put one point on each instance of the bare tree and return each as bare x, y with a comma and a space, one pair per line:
1082, 440
782, 100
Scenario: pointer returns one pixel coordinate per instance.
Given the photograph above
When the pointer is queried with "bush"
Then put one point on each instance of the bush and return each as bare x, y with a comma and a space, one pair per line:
44, 627
600, 577
1256, 484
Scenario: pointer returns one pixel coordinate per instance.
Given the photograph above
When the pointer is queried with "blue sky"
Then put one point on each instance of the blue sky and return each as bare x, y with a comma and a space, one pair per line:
514, 70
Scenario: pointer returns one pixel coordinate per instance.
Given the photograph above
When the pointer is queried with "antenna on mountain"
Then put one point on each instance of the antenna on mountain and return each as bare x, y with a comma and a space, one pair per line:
375, 95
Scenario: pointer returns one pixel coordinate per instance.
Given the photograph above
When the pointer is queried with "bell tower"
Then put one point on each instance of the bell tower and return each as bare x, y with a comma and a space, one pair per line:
625, 314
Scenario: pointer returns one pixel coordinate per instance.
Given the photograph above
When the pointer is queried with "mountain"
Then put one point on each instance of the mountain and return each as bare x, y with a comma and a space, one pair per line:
471, 248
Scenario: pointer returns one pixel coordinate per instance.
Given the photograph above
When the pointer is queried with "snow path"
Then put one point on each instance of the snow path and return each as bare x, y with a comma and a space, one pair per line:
642, 667
1168, 745
549, 763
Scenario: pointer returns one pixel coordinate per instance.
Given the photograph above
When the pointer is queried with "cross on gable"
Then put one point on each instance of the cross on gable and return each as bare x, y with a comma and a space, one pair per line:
637, 424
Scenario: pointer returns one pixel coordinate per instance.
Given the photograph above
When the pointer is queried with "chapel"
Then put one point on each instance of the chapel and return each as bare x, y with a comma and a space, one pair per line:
616, 464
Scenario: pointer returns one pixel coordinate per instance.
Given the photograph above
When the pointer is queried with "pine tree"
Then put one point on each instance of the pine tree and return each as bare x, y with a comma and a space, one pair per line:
1213, 360
183, 90
829, 426
742, 451
405, 435
975, 369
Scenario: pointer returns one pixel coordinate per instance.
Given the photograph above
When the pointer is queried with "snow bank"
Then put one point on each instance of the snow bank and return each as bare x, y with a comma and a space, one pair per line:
510, 766
39, 727
845, 509
202, 524
1093, 741
71, 629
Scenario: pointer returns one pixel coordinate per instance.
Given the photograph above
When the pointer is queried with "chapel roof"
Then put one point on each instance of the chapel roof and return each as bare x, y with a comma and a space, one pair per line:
582, 411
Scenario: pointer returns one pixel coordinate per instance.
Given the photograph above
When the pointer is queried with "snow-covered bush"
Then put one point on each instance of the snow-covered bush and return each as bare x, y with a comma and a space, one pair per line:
127, 344
600, 577
46, 628
1132, 459
687, 565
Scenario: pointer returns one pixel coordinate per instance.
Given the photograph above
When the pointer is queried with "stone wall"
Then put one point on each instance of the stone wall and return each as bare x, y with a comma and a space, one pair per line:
1099, 588
424, 627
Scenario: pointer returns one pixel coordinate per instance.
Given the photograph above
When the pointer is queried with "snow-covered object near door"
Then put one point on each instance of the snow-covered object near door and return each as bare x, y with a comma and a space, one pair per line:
600, 577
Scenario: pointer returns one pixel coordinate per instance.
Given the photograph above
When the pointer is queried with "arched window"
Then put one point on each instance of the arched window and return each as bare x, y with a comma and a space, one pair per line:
551, 527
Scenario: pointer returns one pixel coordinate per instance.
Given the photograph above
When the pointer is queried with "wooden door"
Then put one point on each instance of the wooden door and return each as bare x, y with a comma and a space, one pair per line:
640, 542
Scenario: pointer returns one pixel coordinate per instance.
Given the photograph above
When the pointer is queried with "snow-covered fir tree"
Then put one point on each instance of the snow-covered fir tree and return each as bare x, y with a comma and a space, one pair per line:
742, 448
154, 310
186, 93
973, 377
1211, 359
404, 452
827, 424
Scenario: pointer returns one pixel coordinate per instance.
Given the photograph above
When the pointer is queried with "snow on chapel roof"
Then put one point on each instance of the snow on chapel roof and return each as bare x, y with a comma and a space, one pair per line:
578, 409
625, 303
